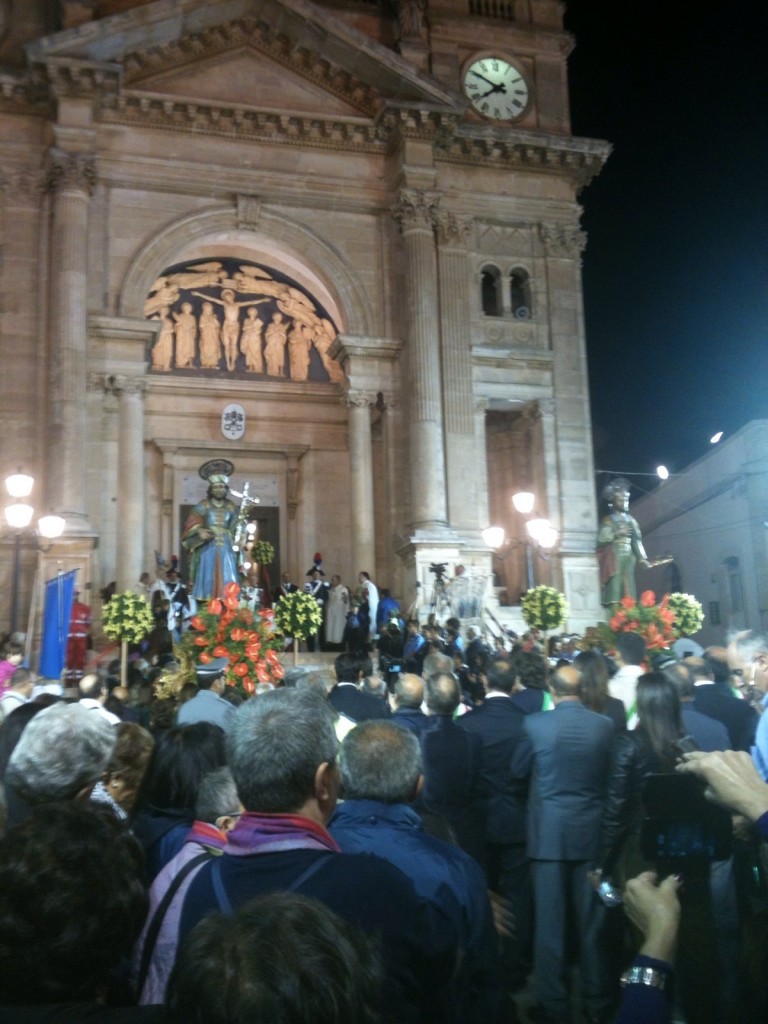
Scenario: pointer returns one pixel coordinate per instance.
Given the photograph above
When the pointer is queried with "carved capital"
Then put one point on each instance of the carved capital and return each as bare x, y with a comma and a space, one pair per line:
547, 406
360, 399
97, 382
248, 212
452, 230
129, 385
27, 183
563, 241
71, 172
416, 209
389, 401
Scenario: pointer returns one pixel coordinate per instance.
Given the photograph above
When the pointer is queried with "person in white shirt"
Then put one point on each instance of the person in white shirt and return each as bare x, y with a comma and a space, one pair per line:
630, 655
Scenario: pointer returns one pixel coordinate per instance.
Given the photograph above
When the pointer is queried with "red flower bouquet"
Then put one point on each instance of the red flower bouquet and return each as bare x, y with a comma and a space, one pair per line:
225, 629
654, 622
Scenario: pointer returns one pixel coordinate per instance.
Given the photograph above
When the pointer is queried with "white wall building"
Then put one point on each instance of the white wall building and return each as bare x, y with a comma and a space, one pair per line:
713, 518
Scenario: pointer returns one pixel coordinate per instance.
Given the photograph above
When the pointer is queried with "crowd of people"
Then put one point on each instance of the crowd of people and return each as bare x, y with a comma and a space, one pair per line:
447, 836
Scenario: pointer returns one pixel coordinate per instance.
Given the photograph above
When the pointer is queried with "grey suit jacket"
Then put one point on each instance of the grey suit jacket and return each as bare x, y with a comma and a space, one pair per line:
567, 753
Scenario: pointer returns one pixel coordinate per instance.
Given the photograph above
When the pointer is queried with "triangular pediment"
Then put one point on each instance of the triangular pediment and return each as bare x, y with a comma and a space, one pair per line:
265, 54
246, 78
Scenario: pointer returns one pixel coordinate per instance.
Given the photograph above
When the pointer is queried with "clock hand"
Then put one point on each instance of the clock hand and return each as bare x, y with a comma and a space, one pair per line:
497, 88
486, 80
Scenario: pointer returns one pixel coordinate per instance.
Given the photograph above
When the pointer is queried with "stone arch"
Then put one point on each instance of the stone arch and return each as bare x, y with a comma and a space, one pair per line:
277, 241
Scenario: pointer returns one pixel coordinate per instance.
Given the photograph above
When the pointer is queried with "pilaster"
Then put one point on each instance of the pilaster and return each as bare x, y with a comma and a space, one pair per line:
415, 213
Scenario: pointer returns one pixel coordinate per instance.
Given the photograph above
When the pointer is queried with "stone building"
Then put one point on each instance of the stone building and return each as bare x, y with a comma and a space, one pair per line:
712, 518
335, 243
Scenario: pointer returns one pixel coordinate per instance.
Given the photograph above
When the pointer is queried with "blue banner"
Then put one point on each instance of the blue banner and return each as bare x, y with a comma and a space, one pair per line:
59, 593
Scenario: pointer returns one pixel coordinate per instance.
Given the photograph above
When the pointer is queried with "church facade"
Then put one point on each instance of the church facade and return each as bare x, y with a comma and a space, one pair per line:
336, 244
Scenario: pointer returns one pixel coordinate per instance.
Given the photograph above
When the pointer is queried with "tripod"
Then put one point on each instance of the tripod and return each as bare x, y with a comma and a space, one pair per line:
440, 601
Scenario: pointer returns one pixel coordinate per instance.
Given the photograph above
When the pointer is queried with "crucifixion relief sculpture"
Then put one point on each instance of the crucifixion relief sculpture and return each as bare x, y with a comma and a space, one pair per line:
231, 316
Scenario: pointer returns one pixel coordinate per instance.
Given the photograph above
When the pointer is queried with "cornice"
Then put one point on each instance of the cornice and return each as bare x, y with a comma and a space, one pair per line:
176, 114
70, 76
577, 159
257, 34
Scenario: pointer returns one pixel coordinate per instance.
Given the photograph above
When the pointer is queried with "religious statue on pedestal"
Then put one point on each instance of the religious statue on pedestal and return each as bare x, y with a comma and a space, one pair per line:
209, 533
619, 547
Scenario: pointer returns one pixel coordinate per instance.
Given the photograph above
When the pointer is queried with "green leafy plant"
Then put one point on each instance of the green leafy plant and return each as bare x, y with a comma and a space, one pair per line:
689, 616
544, 608
263, 552
128, 617
298, 615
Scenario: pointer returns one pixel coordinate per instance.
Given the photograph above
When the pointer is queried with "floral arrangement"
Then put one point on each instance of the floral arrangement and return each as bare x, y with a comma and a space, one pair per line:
689, 616
544, 608
127, 617
263, 552
224, 629
654, 622
298, 615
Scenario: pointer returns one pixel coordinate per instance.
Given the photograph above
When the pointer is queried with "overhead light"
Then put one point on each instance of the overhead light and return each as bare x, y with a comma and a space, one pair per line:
51, 526
537, 527
662, 472
493, 536
716, 437
19, 515
524, 502
547, 537
19, 485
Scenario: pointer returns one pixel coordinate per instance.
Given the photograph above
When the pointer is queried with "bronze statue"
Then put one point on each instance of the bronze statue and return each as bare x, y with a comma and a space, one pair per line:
619, 547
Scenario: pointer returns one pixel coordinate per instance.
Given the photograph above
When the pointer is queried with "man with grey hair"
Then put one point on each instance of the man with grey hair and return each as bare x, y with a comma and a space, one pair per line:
380, 766
62, 754
282, 751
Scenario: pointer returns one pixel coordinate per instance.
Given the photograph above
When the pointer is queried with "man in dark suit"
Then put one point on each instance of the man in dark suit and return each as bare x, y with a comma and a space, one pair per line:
409, 696
714, 697
567, 753
451, 759
285, 588
346, 695
499, 725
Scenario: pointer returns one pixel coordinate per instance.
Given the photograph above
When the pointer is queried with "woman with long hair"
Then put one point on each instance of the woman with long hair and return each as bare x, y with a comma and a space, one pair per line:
654, 748
593, 667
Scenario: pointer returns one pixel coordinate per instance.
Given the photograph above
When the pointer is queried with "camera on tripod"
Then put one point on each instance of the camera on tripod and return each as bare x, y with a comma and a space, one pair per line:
438, 568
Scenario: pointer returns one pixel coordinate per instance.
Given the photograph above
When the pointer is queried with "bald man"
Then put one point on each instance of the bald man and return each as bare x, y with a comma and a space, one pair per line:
408, 698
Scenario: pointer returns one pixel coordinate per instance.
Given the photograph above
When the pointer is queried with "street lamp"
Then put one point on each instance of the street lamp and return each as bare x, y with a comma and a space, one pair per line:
540, 533
19, 515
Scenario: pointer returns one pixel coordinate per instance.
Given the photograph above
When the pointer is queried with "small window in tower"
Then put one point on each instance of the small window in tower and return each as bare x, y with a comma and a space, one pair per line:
733, 575
520, 294
490, 291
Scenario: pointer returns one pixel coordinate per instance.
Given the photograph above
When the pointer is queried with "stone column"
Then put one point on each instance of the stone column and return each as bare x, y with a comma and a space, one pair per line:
359, 404
462, 469
293, 484
481, 455
72, 178
130, 480
562, 245
415, 213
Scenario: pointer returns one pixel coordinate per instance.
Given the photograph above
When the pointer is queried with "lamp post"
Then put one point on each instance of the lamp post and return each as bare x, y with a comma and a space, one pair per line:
19, 515
539, 533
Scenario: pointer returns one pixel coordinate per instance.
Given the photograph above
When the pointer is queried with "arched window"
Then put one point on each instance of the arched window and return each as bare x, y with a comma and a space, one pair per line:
490, 281
520, 294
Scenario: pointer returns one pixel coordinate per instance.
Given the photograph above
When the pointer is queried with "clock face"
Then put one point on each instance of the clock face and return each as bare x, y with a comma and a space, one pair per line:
496, 89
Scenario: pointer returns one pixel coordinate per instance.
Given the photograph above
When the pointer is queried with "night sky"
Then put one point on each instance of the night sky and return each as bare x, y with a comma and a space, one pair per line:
676, 266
